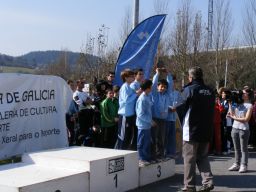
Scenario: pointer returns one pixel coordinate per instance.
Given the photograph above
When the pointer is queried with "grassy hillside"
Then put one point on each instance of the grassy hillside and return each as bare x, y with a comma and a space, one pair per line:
5, 69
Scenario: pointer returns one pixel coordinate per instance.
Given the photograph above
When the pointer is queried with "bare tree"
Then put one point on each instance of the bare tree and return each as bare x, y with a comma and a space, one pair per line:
162, 7
249, 28
221, 36
86, 64
249, 33
82, 64
126, 25
179, 44
110, 59
197, 38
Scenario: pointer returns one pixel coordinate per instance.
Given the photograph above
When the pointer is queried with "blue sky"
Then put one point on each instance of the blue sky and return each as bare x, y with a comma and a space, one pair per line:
33, 25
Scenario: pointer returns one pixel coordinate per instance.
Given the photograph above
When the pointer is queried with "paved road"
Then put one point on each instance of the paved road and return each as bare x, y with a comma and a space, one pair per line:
223, 180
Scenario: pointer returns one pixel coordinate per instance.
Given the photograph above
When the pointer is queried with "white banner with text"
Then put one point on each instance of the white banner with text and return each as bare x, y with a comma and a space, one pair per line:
32, 113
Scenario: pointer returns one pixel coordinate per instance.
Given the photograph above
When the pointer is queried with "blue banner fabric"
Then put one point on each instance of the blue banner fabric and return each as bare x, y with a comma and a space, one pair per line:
140, 47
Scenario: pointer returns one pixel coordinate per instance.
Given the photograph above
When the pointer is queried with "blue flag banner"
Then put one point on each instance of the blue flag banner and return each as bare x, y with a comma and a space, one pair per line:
140, 47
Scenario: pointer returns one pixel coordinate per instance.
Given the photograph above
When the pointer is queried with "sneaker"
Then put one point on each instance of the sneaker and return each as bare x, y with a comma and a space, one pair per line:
243, 169
206, 188
187, 189
234, 167
143, 163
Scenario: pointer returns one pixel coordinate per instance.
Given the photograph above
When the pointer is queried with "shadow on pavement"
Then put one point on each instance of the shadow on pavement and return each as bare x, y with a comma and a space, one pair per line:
236, 181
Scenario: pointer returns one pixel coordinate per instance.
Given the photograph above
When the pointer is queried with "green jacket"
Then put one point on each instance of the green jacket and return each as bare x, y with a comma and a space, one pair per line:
108, 110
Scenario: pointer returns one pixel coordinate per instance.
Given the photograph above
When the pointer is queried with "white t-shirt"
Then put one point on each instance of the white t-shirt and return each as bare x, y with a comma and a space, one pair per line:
80, 97
240, 111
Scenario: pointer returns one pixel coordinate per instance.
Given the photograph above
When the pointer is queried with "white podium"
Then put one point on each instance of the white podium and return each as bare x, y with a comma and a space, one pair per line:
156, 172
110, 170
81, 169
22, 177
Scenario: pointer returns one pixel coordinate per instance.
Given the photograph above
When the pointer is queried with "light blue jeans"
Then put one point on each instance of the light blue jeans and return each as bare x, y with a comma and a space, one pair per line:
240, 139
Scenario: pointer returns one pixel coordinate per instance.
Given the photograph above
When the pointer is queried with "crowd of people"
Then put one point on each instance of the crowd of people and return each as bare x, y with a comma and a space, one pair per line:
141, 115
235, 128
105, 115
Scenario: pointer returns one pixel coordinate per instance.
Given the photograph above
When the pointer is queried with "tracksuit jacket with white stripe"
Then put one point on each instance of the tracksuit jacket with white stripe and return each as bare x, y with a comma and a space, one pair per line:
199, 101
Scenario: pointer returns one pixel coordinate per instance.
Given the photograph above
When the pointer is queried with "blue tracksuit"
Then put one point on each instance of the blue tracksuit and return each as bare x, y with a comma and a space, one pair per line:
143, 122
126, 125
160, 112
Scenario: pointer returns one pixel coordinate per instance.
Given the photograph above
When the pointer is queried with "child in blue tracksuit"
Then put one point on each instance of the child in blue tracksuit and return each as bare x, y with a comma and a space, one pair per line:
161, 94
135, 85
139, 78
143, 121
126, 112
170, 132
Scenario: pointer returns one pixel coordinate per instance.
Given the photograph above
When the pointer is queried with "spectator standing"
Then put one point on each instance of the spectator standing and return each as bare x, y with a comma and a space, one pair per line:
71, 116
197, 130
85, 114
103, 84
109, 119
240, 131
110, 79
253, 127
72, 85
226, 121
101, 88
215, 145
252, 124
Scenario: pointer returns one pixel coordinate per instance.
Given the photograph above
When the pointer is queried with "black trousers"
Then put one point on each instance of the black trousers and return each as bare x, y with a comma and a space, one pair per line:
127, 133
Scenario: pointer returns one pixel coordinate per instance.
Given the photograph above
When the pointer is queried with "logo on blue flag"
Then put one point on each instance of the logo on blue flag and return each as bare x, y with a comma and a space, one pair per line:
140, 47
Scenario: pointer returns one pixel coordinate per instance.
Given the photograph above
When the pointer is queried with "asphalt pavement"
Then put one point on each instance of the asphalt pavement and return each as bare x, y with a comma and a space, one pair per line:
224, 180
